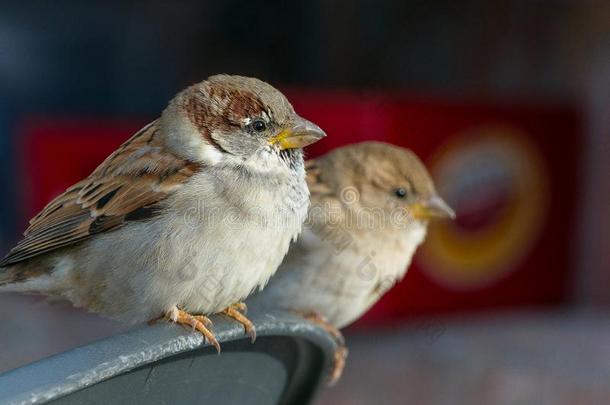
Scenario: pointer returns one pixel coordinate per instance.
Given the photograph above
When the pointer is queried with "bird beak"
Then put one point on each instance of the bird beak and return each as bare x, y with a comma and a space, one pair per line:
301, 134
432, 208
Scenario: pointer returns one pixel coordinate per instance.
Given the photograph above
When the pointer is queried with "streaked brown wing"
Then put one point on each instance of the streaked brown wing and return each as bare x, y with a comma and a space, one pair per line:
315, 181
127, 186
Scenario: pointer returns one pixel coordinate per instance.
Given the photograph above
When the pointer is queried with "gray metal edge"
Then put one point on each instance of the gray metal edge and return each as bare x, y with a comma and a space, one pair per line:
81, 367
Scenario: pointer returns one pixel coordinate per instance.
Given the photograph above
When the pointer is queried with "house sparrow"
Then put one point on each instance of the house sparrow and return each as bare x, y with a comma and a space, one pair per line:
370, 207
188, 216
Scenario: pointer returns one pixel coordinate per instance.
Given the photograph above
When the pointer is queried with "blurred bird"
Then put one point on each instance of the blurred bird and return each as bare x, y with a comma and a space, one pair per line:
370, 207
182, 218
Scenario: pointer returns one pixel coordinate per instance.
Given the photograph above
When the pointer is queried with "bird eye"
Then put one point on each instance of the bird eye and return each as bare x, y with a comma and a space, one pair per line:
400, 192
259, 125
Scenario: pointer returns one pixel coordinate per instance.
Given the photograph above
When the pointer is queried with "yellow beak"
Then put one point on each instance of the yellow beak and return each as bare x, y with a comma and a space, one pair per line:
433, 207
301, 134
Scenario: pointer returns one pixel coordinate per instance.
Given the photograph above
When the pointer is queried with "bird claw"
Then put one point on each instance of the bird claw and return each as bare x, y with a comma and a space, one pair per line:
339, 358
321, 321
341, 352
237, 312
199, 323
205, 320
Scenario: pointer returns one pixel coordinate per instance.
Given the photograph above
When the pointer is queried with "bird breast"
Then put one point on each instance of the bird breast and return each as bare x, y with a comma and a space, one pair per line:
340, 280
220, 237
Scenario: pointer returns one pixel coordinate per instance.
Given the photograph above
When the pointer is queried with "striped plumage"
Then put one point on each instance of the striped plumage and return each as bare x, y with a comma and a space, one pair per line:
129, 185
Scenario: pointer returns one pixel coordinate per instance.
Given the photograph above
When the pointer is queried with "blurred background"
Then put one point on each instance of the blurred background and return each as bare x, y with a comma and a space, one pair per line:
508, 103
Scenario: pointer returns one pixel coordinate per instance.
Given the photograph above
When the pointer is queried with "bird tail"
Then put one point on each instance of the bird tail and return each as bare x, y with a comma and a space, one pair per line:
12, 276
7, 276
17, 277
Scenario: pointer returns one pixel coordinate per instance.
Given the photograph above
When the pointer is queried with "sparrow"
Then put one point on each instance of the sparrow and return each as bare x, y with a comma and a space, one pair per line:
370, 207
185, 219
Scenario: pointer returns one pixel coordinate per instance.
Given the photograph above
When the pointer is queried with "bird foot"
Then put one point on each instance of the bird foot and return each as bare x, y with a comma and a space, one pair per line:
197, 322
339, 359
341, 351
321, 321
237, 312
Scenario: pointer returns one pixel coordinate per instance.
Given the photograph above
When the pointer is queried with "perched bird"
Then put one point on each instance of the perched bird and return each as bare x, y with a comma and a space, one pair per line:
188, 216
370, 207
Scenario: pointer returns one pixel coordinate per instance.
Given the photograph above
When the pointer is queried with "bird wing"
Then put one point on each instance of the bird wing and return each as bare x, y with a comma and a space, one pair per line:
315, 180
128, 186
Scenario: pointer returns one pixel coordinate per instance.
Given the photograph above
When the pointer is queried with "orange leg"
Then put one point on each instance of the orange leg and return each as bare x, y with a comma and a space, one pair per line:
321, 321
237, 311
340, 357
205, 320
341, 351
196, 322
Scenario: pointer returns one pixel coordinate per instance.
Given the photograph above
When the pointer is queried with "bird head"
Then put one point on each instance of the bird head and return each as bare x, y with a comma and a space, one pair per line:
234, 116
387, 183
